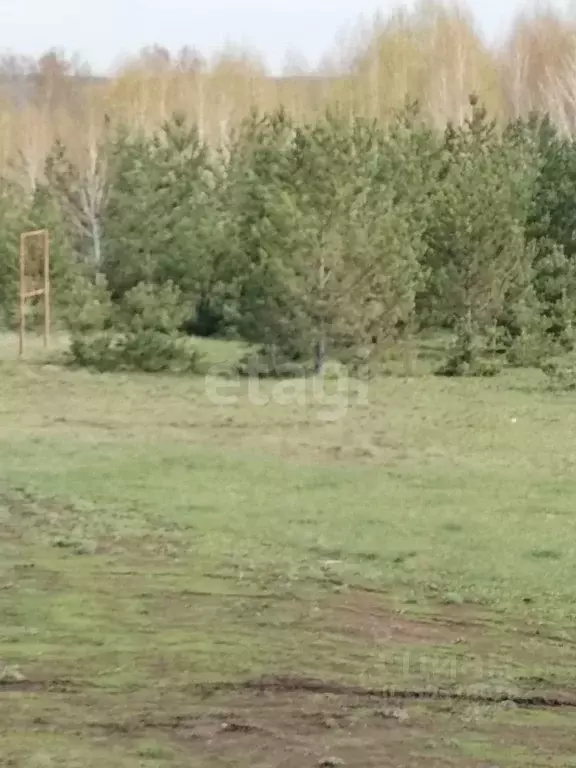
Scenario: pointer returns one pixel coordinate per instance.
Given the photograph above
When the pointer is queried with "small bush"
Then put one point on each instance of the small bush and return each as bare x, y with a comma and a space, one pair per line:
89, 307
139, 334
457, 366
467, 355
527, 351
99, 352
148, 350
267, 362
561, 377
153, 308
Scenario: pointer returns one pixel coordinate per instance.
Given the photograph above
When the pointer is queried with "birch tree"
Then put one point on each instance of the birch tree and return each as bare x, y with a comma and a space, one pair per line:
82, 195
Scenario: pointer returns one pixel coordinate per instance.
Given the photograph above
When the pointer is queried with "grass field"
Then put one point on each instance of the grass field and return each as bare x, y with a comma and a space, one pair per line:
386, 579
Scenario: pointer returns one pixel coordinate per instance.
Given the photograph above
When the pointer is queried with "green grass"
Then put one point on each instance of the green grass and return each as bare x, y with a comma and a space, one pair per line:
152, 539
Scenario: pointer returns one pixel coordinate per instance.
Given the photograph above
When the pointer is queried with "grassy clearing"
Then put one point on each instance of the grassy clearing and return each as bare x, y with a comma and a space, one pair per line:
153, 539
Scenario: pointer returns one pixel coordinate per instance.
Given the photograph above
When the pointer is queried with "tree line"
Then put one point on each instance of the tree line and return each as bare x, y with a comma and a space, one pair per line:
432, 53
336, 238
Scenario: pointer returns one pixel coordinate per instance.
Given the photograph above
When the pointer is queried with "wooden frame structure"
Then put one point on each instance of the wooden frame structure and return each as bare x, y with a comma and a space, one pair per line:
35, 284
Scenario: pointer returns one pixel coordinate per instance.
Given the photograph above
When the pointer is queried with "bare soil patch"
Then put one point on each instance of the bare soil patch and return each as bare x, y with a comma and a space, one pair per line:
288, 727
364, 614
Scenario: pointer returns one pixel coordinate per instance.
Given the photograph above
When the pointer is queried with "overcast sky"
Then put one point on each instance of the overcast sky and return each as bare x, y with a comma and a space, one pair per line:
104, 31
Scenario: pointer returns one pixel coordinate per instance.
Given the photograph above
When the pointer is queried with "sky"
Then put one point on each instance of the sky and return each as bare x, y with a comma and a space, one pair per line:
104, 32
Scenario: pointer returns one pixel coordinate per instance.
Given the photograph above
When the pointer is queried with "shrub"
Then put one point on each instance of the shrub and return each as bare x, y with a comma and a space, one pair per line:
530, 349
88, 307
99, 352
150, 307
140, 334
147, 350
267, 362
458, 365
561, 376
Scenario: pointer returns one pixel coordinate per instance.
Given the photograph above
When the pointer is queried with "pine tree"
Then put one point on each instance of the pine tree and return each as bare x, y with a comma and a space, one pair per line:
550, 227
478, 253
186, 225
161, 222
259, 232
12, 222
44, 213
330, 259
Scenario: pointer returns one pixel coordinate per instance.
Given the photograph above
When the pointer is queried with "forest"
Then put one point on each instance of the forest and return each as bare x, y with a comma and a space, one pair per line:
420, 181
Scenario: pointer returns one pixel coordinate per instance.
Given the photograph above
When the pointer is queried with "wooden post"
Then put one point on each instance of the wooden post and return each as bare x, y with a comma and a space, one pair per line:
26, 293
46, 288
22, 295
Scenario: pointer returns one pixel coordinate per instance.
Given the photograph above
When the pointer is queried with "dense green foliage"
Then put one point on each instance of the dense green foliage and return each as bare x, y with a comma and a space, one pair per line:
336, 239
140, 332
